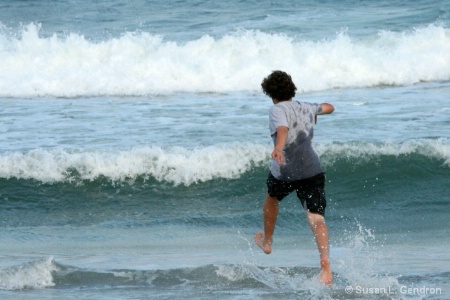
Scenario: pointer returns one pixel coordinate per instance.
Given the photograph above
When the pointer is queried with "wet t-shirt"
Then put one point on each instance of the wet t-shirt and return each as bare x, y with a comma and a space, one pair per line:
300, 159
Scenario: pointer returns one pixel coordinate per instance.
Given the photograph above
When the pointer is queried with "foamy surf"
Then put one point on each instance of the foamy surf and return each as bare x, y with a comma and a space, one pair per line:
435, 149
184, 166
139, 63
176, 165
36, 274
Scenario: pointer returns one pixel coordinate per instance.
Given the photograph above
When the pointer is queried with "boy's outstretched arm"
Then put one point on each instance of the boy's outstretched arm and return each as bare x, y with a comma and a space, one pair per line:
326, 110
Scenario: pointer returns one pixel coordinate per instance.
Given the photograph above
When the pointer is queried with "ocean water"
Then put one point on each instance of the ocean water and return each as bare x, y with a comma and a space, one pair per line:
135, 148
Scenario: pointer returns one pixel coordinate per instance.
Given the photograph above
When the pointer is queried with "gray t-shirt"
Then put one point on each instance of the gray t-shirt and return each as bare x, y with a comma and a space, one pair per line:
300, 159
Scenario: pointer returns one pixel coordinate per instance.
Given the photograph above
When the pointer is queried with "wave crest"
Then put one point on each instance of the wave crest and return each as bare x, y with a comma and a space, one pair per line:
182, 166
176, 165
360, 151
140, 63
37, 274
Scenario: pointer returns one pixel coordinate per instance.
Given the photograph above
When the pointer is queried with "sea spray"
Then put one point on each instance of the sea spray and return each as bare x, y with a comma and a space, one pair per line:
355, 257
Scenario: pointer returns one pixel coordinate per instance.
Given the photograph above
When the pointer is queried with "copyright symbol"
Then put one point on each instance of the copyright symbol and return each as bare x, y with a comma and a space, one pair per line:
348, 289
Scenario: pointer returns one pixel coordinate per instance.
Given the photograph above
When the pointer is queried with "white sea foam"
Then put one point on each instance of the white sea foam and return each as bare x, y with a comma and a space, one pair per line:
140, 63
179, 165
37, 274
436, 149
176, 165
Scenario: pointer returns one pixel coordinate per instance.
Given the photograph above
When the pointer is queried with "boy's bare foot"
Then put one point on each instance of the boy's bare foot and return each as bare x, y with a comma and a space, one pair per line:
326, 276
261, 242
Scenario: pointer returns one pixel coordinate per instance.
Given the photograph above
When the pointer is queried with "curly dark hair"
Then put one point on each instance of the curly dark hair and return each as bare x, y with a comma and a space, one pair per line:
279, 86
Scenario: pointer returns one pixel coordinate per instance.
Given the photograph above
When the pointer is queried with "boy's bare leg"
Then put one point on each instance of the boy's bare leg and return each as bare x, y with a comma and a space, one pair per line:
264, 239
320, 230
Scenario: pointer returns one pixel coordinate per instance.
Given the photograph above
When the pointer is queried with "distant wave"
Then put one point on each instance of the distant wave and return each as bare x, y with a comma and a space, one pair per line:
181, 166
141, 64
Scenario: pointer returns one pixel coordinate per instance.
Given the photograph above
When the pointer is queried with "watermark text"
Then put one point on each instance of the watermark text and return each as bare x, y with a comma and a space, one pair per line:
388, 290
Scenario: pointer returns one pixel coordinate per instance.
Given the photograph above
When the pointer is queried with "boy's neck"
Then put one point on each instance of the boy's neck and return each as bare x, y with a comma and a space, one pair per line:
275, 101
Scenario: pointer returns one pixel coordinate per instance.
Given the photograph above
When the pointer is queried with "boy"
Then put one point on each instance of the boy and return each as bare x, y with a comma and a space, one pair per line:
295, 164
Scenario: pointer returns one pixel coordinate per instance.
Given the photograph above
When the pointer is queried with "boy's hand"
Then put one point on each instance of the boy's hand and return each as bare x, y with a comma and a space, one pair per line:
278, 155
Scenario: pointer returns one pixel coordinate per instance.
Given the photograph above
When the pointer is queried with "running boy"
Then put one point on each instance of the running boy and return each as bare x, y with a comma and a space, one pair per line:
295, 164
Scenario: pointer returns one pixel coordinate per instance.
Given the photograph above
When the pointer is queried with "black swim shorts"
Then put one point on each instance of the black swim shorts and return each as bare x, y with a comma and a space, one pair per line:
310, 191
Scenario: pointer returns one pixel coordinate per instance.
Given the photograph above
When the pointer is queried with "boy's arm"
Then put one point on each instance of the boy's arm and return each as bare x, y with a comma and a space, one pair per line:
282, 135
326, 110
